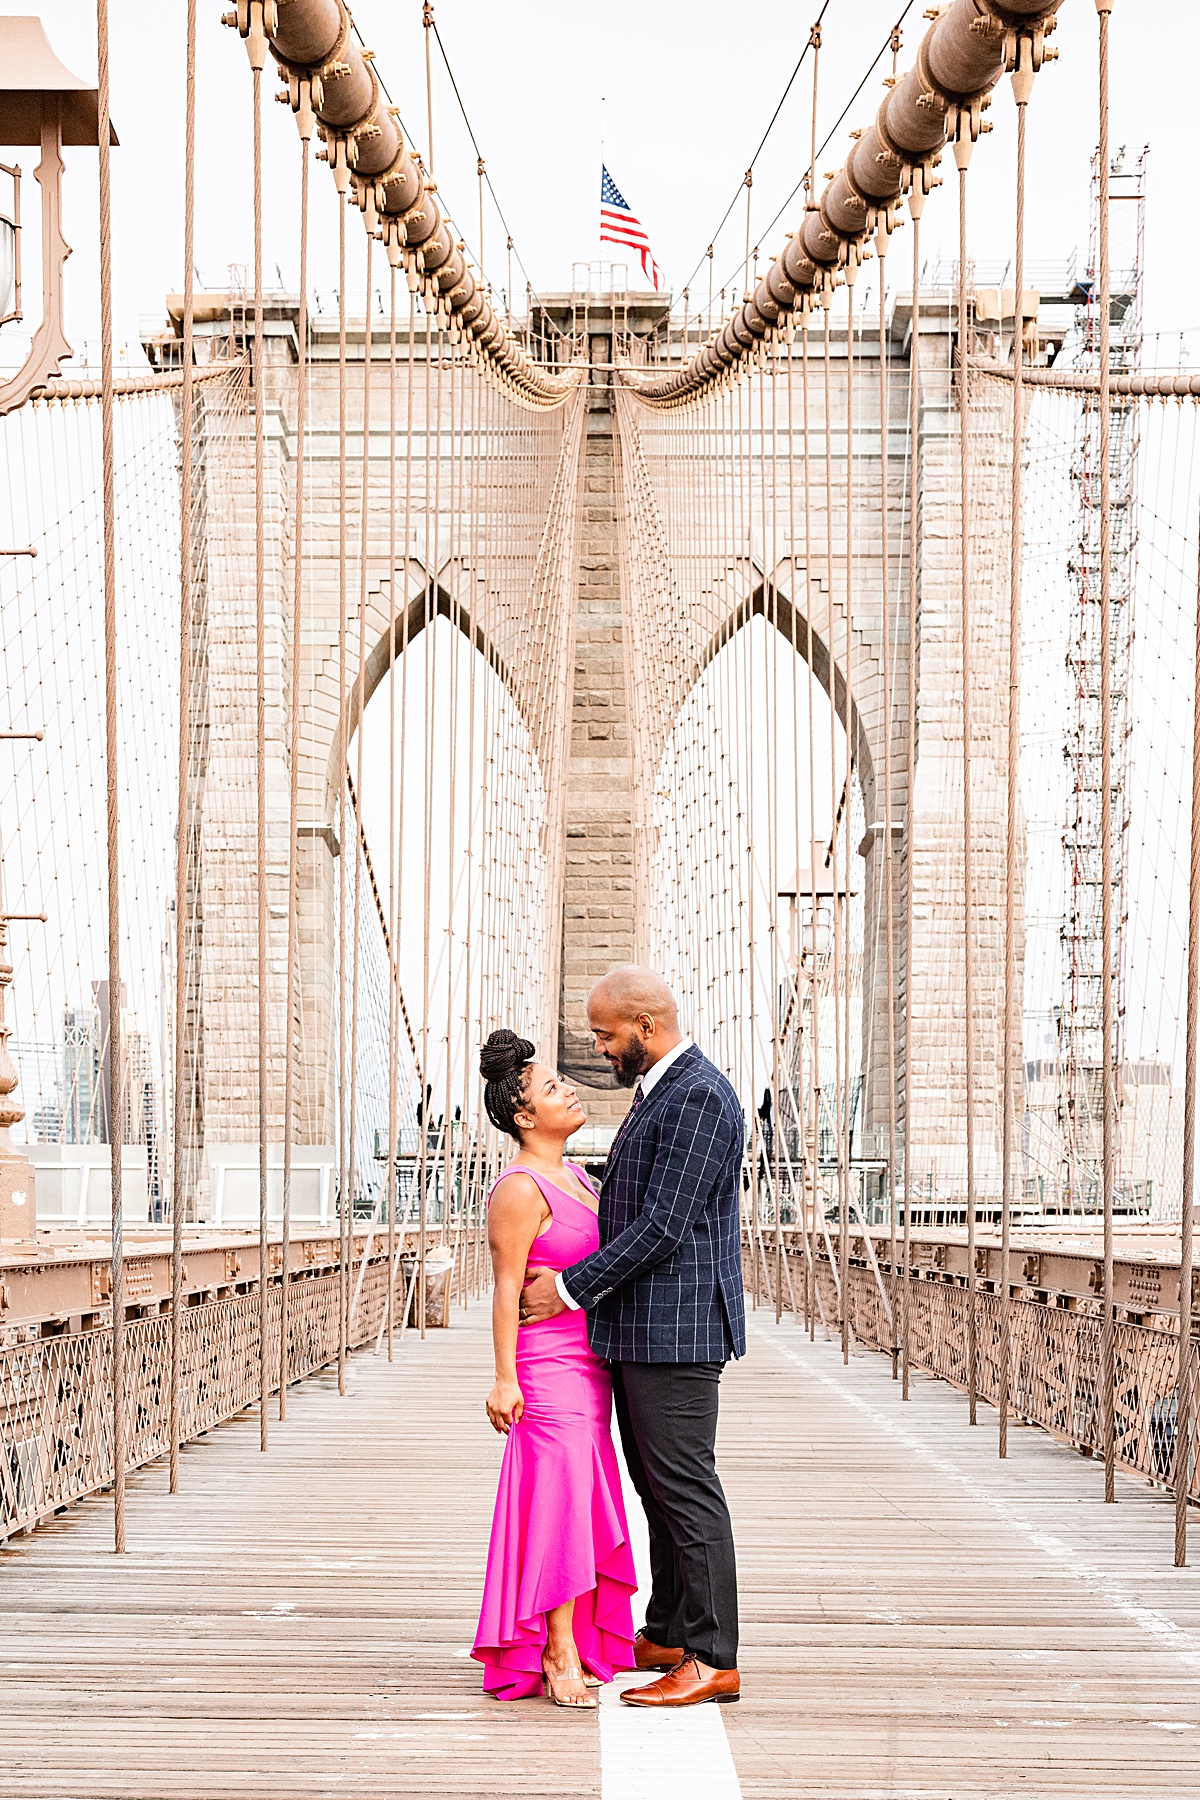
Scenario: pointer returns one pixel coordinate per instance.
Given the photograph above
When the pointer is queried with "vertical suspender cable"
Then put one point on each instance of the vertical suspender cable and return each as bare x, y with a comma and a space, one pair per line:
916, 202
771, 674
260, 740
963, 145
811, 1292
290, 1061
881, 245
1184, 1390
427, 21
430, 603
397, 872
417, 1073
183, 823
344, 827
453, 502
1022, 84
844, 1232
814, 38
1107, 1063
839, 903
793, 969
392, 872
356, 820
116, 1045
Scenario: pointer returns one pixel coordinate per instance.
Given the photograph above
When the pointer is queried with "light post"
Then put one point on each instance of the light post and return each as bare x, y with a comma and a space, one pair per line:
41, 103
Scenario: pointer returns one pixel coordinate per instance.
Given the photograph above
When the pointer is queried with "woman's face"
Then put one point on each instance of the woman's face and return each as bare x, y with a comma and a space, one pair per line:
552, 1105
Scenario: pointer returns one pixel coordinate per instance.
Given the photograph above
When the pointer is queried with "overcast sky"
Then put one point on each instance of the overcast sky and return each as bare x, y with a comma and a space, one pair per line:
688, 90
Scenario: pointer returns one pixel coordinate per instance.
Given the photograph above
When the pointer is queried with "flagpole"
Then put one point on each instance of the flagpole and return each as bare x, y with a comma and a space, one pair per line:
600, 240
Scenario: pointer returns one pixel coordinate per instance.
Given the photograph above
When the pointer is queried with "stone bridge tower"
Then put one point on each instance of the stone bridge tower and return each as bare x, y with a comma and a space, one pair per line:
597, 897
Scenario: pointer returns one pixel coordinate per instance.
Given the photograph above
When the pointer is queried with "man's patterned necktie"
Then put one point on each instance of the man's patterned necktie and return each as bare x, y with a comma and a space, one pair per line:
638, 1097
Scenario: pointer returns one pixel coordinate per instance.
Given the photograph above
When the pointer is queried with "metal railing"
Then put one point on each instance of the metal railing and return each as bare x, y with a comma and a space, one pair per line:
1055, 1378
56, 1392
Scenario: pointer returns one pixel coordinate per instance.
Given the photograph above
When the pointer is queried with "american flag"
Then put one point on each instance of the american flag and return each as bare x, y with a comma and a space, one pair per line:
618, 226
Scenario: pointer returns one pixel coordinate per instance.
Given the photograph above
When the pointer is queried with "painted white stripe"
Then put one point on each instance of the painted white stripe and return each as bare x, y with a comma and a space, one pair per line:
663, 1755
659, 1755
1171, 1637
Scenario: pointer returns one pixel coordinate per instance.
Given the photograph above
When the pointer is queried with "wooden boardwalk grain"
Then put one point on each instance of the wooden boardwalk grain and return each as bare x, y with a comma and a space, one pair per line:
918, 1619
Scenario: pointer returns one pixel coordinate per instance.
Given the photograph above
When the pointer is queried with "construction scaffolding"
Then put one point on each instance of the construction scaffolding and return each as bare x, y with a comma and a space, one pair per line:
1080, 1029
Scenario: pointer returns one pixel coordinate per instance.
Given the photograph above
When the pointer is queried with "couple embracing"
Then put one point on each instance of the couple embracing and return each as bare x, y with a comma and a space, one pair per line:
631, 1294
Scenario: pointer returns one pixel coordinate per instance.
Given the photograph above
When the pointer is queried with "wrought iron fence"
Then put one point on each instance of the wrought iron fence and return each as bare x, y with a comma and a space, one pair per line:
56, 1393
1055, 1358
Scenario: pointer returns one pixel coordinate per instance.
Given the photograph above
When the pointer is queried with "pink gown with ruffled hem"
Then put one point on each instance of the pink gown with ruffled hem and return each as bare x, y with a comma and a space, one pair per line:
559, 1530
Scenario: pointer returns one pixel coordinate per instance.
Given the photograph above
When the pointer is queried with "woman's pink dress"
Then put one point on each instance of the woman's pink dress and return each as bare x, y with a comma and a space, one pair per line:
559, 1530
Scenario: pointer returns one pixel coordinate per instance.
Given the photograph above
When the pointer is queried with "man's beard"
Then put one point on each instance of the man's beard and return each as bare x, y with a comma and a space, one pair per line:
631, 1064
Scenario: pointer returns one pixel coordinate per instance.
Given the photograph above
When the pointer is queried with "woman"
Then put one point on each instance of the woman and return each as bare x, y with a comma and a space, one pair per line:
560, 1577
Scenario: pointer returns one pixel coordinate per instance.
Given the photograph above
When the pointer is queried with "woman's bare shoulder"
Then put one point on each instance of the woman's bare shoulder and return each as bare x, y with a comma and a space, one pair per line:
517, 1191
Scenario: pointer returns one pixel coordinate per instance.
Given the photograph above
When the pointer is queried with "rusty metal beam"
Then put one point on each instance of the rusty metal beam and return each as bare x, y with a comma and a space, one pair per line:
68, 1284
1041, 1268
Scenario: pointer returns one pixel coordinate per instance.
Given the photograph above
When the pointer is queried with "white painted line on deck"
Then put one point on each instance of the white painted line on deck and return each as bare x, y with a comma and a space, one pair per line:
676, 1755
672, 1755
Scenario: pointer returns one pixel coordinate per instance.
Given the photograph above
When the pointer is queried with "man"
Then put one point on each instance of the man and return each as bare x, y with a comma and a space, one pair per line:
664, 1302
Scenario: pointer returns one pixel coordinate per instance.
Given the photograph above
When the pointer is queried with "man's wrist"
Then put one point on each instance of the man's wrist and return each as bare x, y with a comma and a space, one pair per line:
564, 1296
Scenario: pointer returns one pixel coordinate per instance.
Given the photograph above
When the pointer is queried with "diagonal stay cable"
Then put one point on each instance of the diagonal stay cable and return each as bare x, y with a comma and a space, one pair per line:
477, 259
479, 153
411, 141
837, 123
812, 38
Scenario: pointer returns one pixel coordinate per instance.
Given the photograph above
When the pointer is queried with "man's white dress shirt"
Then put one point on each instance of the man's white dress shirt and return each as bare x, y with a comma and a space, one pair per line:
654, 1073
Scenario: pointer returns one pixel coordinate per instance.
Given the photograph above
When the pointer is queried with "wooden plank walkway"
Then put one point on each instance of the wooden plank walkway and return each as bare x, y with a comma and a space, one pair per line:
919, 1620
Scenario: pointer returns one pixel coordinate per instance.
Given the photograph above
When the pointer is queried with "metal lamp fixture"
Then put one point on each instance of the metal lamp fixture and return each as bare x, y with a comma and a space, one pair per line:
41, 103
10, 250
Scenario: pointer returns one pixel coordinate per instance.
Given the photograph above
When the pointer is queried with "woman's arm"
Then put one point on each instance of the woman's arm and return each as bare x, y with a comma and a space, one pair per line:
515, 1216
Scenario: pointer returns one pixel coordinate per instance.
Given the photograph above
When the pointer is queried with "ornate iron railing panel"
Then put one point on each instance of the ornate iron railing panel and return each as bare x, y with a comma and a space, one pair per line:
56, 1393
1055, 1377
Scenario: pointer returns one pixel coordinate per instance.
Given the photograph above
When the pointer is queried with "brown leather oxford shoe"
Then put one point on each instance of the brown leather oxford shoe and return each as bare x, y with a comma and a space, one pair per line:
685, 1686
650, 1655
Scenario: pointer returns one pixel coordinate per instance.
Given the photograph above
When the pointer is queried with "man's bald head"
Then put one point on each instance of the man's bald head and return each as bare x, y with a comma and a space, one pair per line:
635, 1020
631, 990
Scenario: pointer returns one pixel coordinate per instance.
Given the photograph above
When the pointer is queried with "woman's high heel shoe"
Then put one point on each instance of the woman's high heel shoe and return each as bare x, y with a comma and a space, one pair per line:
568, 1675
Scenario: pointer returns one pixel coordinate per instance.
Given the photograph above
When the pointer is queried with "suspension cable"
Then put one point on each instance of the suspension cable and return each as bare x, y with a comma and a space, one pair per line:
393, 1050
889, 876
345, 826
1022, 84
290, 1060
916, 202
360, 709
820, 150
963, 145
1107, 1012
116, 1033
813, 43
183, 827
844, 1235
1184, 1367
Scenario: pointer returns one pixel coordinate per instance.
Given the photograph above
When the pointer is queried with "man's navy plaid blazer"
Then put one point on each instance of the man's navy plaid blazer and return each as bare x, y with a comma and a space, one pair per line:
666, 1284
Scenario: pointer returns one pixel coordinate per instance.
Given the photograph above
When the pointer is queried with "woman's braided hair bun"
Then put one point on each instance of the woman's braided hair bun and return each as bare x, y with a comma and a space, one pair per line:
502, 1063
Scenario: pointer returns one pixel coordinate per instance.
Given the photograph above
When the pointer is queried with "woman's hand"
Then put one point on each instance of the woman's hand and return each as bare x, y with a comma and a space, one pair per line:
505, 1404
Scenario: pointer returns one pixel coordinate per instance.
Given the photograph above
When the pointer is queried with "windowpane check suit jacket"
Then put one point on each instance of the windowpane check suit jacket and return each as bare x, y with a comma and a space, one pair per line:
666, 1284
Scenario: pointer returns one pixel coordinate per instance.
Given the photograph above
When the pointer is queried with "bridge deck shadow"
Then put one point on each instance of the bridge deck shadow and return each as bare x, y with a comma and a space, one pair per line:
918, 1620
